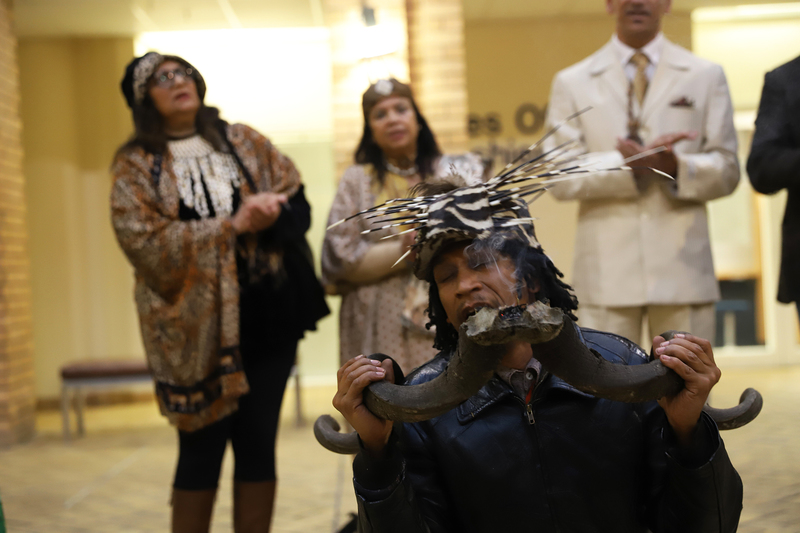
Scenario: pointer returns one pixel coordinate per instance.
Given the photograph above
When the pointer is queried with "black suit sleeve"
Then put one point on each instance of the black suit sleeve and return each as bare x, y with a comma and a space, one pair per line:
774, 161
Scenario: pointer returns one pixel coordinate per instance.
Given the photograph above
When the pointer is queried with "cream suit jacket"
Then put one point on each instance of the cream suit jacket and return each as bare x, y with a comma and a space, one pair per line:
638, 247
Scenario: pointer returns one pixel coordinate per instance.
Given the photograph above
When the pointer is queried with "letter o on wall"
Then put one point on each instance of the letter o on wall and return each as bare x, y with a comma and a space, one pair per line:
529, 118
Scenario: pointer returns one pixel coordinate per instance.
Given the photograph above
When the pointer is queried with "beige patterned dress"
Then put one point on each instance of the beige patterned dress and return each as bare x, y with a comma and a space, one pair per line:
371, 315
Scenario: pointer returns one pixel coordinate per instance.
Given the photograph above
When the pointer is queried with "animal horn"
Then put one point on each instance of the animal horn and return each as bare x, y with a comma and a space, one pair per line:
559, 349
750, 404
567, 357
469, 368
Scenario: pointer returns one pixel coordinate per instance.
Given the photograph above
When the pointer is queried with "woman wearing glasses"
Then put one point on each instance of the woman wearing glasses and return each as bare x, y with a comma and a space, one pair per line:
212, 217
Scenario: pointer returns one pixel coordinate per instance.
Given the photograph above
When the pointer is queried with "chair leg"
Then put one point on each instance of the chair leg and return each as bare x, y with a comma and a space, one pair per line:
300, 420
337, 493
65, 411
79, 405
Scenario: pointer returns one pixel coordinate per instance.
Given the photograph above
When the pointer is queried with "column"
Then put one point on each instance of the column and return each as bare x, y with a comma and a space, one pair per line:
438, 68
17, 395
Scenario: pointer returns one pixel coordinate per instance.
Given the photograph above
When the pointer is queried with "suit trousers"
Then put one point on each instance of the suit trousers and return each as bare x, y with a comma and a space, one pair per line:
628, 322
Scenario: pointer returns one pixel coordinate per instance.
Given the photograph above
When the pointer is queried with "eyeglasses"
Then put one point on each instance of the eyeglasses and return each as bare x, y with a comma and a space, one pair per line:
167, 78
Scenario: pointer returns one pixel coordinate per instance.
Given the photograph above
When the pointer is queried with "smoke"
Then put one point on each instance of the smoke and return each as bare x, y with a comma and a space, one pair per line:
532, 267
485, 252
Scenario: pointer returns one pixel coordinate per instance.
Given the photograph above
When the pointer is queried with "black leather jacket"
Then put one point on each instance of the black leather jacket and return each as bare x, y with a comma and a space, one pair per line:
583, 465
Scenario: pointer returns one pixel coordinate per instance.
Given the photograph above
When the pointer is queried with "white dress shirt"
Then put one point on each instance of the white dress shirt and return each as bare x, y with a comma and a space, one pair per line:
652, 50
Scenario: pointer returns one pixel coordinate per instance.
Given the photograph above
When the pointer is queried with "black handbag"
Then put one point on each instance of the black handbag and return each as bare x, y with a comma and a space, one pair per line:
284, 299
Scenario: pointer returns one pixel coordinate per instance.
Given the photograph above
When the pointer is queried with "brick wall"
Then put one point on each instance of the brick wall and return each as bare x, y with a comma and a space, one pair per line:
17, 395
438, 68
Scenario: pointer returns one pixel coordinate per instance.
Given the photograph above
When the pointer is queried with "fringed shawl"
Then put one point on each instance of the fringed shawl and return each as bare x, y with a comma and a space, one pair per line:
187, 291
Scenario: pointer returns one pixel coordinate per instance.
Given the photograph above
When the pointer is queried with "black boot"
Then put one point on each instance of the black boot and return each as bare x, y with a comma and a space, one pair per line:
192, 509
253, 502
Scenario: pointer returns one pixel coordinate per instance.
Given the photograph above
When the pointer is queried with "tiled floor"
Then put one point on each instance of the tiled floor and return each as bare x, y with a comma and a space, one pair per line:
117, 478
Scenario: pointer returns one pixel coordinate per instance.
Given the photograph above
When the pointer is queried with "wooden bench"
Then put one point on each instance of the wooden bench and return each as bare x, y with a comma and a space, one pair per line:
75, 377
78, 376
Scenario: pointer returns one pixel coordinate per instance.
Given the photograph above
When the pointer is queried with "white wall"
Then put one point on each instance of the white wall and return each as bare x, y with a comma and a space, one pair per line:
74, 119
749, 41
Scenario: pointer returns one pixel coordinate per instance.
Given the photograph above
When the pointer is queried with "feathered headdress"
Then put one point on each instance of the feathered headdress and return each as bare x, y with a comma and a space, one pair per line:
498, 207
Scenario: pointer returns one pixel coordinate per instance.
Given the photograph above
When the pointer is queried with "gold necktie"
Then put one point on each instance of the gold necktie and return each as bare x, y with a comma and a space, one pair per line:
637, 89
641, 62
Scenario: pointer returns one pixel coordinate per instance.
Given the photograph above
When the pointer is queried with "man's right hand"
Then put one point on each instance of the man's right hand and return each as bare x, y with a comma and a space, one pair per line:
354, 376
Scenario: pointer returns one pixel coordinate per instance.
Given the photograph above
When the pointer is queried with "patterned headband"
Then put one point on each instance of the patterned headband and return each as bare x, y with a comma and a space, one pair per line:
497, 207
142, 72
382, 89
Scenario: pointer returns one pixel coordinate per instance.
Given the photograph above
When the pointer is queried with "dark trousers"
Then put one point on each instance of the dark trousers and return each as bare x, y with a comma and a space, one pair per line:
252, 429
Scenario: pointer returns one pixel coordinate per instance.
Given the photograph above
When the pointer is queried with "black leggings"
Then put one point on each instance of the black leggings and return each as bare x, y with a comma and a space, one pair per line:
252, 429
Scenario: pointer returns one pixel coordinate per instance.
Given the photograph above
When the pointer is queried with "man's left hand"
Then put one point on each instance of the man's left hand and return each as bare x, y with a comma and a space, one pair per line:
692, 358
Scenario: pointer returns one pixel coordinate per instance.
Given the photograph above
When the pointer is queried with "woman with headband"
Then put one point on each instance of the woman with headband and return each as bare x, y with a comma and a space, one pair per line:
213, 219
383, 305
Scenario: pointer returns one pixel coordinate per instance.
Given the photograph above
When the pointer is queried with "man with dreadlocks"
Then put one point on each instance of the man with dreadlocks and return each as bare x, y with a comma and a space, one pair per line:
529, 452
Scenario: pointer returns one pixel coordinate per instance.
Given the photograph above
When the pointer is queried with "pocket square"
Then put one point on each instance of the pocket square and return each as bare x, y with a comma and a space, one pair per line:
683, 101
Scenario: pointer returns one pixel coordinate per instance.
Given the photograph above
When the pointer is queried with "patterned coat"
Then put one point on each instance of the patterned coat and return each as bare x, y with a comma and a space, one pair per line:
187, 291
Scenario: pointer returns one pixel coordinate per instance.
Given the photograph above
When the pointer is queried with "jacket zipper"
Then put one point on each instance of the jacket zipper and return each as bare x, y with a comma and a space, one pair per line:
529, 404
529, 399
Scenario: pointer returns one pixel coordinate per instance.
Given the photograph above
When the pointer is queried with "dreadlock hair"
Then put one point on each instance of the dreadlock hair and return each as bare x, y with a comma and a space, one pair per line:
532, 265
368, 151
149, 124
